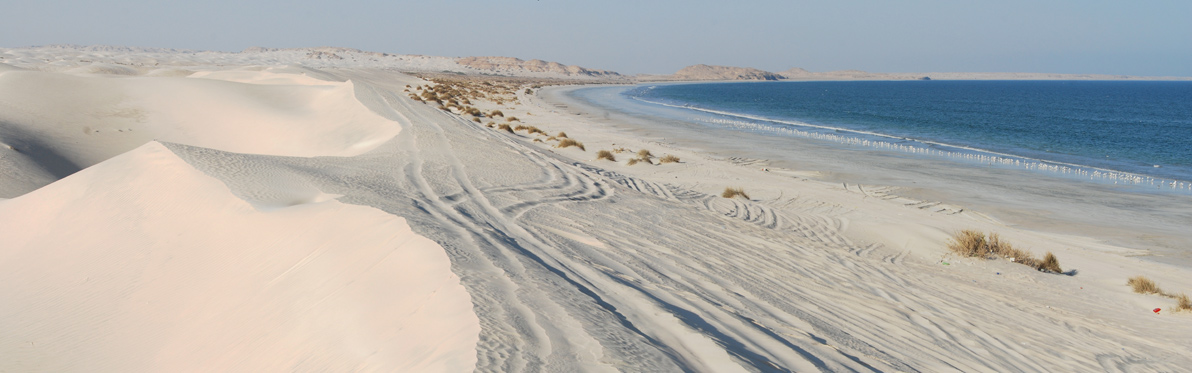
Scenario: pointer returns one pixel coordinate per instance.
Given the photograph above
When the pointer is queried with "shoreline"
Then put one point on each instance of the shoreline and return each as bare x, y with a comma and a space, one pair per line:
1161, 243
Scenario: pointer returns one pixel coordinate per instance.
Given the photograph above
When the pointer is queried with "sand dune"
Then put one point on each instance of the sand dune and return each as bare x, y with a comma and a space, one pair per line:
55, 124
141, 263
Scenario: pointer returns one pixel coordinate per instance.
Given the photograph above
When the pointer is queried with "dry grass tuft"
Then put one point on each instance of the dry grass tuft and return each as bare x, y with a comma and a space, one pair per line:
569, 142
1143, 285
505, 127
513, 119
1049, 264
634, 161
520, 127
552, 138
532, 129
731, 192
1182, 303
644, 154
970, 243
562, 135
605, 154
668, 159
620, 150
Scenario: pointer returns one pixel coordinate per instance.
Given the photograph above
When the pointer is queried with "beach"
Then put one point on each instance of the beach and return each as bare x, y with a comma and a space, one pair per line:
258, 212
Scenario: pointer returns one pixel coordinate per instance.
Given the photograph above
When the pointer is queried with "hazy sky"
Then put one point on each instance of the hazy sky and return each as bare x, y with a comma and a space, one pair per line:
1142, 37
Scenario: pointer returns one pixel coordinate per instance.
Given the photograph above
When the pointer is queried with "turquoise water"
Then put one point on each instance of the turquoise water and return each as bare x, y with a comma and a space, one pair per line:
1108, 131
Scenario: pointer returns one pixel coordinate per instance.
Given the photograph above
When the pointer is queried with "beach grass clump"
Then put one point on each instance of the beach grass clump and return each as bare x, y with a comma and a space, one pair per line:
967, 243
644, 154
621, 150
477, 120
532, 129
513, 119
974, 244
562, 135
1182, 303
640, 160
668, 159
1143, 285
495, 113
731, 192
505, 127
605, 154
569, 142
520, 127
1049, 264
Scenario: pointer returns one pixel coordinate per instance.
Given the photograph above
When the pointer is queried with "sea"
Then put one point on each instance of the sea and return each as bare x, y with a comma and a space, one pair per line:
1120, 132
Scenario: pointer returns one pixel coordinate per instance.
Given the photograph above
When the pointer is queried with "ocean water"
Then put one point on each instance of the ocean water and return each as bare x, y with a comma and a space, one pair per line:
1136, 132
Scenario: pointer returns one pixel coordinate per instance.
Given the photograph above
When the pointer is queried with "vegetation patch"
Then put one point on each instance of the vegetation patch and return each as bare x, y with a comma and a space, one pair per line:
569, 142
974, 244
731, 192
605, 154
1143, 285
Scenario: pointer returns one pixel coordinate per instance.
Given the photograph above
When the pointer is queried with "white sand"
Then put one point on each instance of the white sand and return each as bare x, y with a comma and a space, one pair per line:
141, 263
569, 263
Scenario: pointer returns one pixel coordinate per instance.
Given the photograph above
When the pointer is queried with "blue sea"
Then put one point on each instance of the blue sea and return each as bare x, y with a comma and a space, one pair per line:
1137, 132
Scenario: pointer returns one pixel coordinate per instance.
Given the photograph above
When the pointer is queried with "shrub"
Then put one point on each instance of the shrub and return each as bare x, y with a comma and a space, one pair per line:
528, 91
605, 154
644, 154
569, 142
731, 192
668, 159
1143, 285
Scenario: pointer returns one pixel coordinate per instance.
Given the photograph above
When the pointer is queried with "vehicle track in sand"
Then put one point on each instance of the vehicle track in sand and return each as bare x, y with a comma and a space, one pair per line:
576, 268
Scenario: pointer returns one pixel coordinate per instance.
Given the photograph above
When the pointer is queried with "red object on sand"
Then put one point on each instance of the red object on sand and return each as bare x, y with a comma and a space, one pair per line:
1157, 310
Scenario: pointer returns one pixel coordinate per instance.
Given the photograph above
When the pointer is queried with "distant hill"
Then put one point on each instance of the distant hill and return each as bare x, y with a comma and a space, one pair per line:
515, 66
709, 72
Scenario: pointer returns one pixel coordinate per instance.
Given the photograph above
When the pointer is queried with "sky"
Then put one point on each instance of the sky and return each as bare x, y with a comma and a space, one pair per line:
1145, 37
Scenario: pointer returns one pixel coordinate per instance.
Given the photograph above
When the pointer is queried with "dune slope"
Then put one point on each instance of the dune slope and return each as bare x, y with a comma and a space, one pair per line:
142, 263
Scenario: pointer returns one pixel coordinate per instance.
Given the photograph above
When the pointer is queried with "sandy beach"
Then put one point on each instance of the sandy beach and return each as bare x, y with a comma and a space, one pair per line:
268, 211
